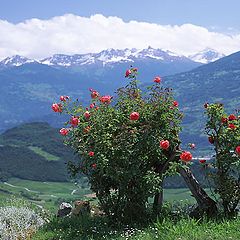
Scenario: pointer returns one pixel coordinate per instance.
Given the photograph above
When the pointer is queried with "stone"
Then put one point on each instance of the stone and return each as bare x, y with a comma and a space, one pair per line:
64, 209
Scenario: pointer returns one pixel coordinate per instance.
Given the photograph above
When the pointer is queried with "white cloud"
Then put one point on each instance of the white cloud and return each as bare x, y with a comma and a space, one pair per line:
72, 34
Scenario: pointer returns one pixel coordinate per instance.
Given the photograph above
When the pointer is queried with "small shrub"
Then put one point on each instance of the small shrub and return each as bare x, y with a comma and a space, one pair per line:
224, 134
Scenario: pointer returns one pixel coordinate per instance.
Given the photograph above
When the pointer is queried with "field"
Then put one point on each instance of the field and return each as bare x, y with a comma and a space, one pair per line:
51, 194
46, 194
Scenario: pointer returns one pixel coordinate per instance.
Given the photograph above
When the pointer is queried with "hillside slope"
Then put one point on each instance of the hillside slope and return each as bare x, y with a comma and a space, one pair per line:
215, 82
34, 151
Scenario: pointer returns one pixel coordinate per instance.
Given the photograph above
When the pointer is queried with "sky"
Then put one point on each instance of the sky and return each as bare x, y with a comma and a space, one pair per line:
40, 28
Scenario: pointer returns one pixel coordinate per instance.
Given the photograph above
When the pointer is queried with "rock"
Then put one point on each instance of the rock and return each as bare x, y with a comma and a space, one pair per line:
81, 208
64, 209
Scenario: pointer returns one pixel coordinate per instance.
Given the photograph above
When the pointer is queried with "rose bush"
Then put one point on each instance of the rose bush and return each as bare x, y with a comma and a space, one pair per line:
224, 133
127, 144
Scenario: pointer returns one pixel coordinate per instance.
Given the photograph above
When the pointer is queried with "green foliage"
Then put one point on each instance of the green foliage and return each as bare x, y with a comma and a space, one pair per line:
224, 134
121, 154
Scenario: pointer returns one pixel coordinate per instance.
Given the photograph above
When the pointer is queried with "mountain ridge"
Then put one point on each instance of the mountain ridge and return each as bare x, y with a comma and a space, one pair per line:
111, 56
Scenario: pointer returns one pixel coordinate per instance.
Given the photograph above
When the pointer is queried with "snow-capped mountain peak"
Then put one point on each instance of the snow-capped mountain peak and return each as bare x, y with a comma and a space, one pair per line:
207, 55
16, 61
115, 56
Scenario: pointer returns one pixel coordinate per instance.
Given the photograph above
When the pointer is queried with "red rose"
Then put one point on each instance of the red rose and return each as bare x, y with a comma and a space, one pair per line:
157, 79
237, 150
232, 117
64, 98
91, 154
134, 116
57, 107
164, 144
128, 72
94, 165
224, 120
94, 94
64, 131
175, 104
232, 126
92, 105
202, 161
87, 114
186, 156
74, 121
105, 99
211, 139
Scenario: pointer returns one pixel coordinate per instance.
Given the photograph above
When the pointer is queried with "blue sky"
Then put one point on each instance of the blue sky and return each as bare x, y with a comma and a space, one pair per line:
219, 14
41, 28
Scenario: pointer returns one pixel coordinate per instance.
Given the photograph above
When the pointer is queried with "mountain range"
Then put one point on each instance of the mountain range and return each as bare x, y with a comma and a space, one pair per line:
29, 87
113, 56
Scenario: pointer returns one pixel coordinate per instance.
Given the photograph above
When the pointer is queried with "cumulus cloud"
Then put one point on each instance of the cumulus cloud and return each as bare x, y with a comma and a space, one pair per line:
71, 34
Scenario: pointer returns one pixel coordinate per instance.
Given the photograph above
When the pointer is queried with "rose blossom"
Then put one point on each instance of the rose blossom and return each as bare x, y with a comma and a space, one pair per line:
237, 150
91, 154
87, 114
57, 107
186, 156
74, 121
64, 98
164, 144
175, 104
134, 116
232, 117
224, 120
94, 165
232, 126
157, 79
92, 105
64, 131
105, 99
128, 72
94, 94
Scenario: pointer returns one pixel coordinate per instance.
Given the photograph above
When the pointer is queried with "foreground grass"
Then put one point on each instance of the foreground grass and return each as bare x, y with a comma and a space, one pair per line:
184, 229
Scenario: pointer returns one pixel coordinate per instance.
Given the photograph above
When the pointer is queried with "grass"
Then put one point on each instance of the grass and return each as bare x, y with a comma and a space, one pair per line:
184, 229
46, 155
